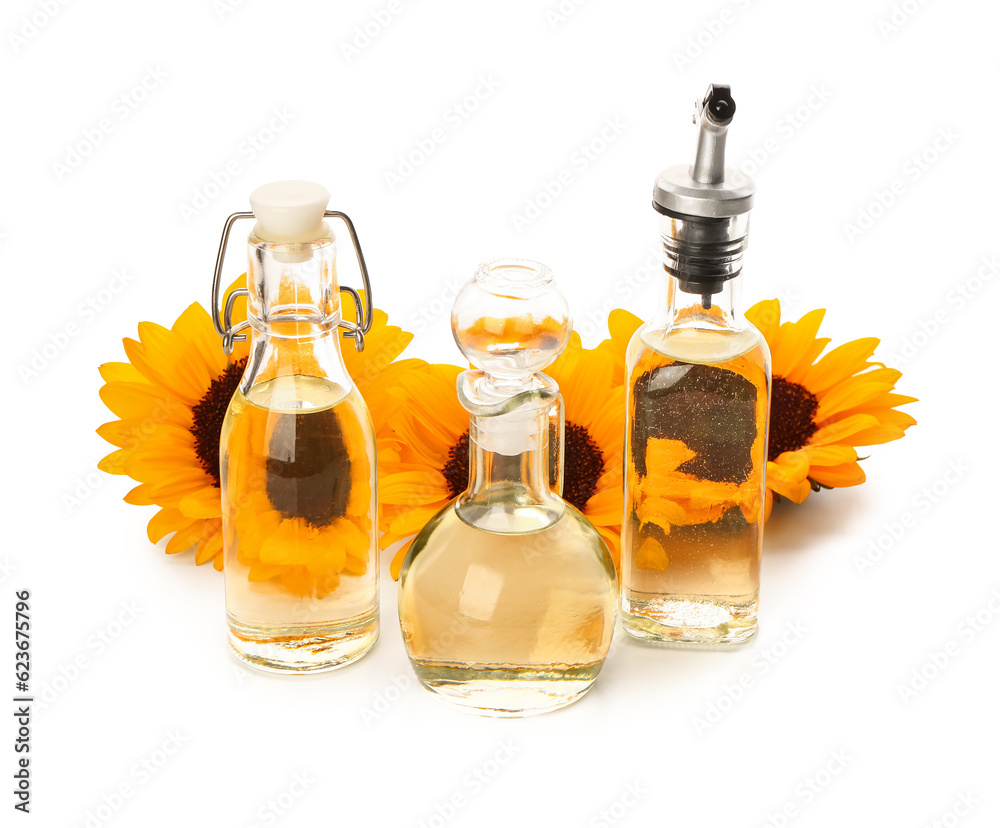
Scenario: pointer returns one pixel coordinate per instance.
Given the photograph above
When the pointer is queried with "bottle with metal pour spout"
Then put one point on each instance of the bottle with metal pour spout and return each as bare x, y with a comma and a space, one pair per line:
698, 391
297, 455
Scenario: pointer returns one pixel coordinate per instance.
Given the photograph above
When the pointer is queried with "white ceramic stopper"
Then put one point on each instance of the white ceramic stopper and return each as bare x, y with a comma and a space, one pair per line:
289, 211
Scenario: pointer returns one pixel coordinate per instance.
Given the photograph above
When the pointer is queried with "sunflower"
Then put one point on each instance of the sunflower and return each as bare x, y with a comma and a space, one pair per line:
424, 451
171, 397
822, 407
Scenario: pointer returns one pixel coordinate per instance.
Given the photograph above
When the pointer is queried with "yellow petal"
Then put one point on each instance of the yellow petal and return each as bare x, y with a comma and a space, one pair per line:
666, 455
843, 431
194, 325
209, 546
622, 325
848, 395
411, 521
115, 462
383, 343
135, 434
890, 416
661, 511
651, 555
607, 427
413, 488
397, 561
765, 316
882, 433
791, 467
139, 496
796, 490
163, 371
263, 572
587, 394
605, 507
121, 372
185, 538
842, 362
166, 467
204, 503
828, 456
795, 344
175, 488
116, 433
849, 474
164, 522
139, 400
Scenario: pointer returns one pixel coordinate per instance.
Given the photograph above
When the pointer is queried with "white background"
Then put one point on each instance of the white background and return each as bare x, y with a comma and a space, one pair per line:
838, 104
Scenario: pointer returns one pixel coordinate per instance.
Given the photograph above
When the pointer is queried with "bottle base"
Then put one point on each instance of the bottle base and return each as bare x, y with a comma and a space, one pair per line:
690, 620
507, 692
304, 648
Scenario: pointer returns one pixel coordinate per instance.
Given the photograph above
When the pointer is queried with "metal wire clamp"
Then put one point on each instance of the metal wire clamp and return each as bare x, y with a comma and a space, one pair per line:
222, 318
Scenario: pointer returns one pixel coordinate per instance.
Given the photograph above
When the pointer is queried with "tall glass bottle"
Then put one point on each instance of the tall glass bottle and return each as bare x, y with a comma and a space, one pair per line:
297, 454
508, 596
698, 393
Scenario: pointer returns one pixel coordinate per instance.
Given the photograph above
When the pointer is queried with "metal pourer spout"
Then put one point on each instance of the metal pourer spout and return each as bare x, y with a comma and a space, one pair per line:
705, 207
713, 117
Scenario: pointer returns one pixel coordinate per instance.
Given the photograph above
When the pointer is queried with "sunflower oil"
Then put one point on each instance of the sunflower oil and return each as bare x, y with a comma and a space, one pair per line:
509, 623
508, 597
696, 449
301, 562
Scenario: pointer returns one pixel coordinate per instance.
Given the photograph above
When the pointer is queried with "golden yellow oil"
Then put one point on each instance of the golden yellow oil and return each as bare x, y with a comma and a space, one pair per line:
301, 560
508, 624
696, 448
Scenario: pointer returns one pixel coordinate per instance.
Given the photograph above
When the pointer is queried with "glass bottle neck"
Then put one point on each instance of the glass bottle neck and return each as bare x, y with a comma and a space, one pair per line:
509, 488
680, 306
703, 263
510, 452
294, 312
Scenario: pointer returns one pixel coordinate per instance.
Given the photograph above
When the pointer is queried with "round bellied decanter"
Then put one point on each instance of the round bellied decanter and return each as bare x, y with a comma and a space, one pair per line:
508, 596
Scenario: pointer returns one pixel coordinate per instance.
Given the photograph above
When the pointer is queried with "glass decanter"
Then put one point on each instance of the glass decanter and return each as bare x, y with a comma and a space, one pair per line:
698, 391
297, 453
508, 596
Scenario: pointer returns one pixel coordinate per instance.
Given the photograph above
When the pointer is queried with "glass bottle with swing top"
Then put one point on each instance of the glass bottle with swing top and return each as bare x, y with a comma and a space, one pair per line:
297, 454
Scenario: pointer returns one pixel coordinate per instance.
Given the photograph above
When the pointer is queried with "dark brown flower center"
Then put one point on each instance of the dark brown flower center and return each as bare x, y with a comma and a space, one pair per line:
209, 414
792, 411
584, 466
456, 470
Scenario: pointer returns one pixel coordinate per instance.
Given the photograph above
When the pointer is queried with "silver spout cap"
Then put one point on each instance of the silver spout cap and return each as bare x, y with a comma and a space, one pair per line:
707, 187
